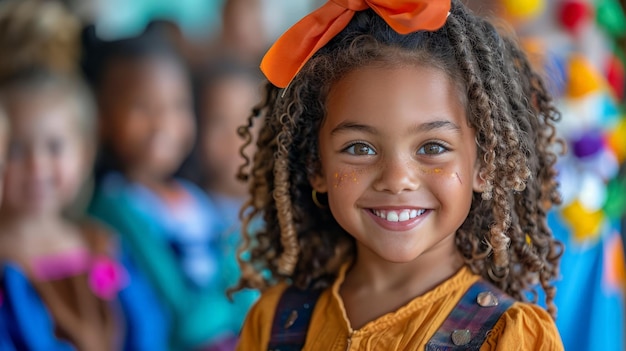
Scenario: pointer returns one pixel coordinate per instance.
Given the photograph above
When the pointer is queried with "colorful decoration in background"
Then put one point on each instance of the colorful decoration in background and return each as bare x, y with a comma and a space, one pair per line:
574, 14
615, 76
582, 77
575, 44
523, 10
610, 17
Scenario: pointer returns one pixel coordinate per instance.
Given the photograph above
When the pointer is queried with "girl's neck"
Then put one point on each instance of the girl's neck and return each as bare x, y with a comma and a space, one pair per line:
386, 286
10, 215
27, 224
24, 238
155, 183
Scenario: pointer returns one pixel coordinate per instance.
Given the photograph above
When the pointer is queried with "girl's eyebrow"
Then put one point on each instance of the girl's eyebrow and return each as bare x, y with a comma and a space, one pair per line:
420, 128
353, 126
441, 124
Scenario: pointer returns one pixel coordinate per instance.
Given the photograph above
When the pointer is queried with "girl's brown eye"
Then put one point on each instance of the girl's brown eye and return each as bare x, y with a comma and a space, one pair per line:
432, 149
360, 149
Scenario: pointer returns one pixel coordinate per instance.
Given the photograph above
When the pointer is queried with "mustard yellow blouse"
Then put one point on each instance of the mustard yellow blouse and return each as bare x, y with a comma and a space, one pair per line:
522, 327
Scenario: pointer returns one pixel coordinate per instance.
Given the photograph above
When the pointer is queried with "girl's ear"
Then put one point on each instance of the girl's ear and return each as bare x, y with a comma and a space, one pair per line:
318, 183
478, 182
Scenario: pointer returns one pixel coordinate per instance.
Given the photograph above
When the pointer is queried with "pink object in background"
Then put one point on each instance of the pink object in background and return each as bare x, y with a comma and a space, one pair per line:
107, 277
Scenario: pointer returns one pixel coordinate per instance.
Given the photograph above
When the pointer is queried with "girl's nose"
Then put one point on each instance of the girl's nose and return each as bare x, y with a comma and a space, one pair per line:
38, 164
397, 175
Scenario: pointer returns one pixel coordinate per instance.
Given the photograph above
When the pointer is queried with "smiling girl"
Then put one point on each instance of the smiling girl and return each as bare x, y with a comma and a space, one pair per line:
404, 172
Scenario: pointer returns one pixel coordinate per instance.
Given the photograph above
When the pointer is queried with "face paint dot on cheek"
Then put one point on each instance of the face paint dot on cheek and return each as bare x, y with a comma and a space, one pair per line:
340, 178
440, 172
431, 171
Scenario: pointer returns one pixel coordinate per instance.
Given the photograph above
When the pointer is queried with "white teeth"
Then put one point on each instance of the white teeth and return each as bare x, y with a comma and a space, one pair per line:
404, 216
392, 216
399, 216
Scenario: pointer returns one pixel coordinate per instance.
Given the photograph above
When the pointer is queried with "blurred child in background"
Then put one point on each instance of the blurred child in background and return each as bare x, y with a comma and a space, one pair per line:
147, 131
64, 285
95, 302
243, 34
225, 94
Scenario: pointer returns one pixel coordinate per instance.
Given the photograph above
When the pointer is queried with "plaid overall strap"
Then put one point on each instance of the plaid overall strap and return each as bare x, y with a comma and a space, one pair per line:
471, 320
292, 319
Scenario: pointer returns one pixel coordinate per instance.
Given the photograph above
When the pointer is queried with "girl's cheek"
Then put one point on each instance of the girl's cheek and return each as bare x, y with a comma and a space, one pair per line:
344, 178
348, 177
449, 175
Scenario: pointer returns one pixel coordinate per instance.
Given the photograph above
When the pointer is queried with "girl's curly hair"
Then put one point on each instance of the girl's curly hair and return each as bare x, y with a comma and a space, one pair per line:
505, 237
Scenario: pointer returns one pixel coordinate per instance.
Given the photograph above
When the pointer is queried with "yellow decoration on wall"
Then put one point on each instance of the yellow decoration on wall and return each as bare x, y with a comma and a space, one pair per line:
523, 9
585, 225
583, 78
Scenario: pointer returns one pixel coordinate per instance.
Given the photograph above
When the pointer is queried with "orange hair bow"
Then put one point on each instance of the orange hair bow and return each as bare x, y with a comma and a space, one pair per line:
296, 46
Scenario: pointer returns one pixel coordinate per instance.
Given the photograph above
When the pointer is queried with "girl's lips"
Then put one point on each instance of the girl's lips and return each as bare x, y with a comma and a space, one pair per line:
397, 221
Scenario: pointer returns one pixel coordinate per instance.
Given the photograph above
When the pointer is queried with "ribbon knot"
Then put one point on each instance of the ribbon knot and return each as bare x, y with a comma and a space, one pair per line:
352, 5
296, 46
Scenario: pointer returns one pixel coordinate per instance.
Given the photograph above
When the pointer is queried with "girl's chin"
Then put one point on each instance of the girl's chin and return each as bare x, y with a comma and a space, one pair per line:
38, 210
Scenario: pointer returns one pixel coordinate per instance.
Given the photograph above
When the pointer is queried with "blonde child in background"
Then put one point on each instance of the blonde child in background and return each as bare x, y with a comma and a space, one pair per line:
147, 131
403, 171
64, 285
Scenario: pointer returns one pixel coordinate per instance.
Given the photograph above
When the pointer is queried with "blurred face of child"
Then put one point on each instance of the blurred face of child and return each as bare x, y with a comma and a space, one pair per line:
398, 161
226, 106
243, 27
146, 116
48, 155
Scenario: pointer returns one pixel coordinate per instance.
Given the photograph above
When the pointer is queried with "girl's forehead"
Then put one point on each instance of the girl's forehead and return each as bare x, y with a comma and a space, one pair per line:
402, 82
419, 85
146, 78
42, 112
142, 64
389, 100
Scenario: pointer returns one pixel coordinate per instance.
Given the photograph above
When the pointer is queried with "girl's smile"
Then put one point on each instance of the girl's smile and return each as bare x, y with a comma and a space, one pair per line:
401, 215
398, 160
399, 219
